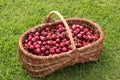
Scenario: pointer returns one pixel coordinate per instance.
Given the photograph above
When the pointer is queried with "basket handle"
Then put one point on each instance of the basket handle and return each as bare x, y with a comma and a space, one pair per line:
49, 19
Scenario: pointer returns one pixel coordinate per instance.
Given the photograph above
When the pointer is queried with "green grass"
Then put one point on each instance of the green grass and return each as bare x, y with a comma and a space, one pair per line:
17, 16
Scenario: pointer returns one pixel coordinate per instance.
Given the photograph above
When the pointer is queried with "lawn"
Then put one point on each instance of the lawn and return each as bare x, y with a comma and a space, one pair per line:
17, 16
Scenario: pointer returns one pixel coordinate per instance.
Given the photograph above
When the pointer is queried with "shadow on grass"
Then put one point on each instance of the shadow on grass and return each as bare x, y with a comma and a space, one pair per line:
72, 72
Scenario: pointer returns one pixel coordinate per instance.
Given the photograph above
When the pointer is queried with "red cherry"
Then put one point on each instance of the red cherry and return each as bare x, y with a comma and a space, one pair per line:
26, 41
57, 45
44, 33
37, 46
54, 42
78, 30
64, 49
37, 37
43, 49
67, 43
78, 45
33, 39
69, 47
59, 26
58, 40
32, 47
33, 30
84, 43
47, 53
82, 32
75, 32
29, 43
57, 51
52, 50
29, 38
35, 43
81, 27
42, 38
26, 45
95, 38
47, 29
79, 36
37, 51
86, 30
39, 42
49, 42
78, 26
88, 33
44, 43
53, 36
37, 34
30, 35
90, 37
74, 27
61, 36
62, 44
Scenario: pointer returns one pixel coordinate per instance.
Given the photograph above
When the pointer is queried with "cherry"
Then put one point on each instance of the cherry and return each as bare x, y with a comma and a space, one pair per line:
43, 49
47, 29
44, 43
79, 36
90, 37
59, 26
64, 49
78, 26
26, 41
42, 38
75, 32
47, 53
74, 27
49, 42
37, 37
53, 36
44, 33
62, 44
26, 45
78, 30
37, 46
29, 38
33, 30
69, 47
86, 30
79, 45
38, 51
82, 32
39, 42
57, 45
84, 43
37, 34
81, 27
57, 51
52, 50
61, 36
32, 47
33, 39
67, 43
58, 40
29, 43
54, 43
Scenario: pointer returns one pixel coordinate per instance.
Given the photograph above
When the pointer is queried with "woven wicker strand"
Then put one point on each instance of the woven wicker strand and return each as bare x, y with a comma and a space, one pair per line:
39, 66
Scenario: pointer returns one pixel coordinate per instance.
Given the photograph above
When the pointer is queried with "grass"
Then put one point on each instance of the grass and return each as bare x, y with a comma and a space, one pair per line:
17, 16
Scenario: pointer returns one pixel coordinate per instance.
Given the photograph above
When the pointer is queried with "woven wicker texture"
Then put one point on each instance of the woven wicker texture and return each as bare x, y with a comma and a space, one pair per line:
39, 66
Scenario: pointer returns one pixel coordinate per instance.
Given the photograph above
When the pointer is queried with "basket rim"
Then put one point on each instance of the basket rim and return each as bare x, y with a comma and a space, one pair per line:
65, 53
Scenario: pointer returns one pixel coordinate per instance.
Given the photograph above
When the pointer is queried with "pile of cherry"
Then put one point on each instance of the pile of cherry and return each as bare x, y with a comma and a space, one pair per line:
55, 40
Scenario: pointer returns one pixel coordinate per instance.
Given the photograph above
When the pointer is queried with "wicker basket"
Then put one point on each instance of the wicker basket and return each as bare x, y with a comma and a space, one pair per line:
39, 66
